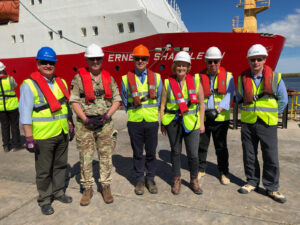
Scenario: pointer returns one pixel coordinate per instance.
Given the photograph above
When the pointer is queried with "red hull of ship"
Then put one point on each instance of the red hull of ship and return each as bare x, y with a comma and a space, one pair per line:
235, 46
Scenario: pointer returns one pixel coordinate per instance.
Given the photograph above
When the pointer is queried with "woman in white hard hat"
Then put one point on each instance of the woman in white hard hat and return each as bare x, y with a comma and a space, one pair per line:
182, 118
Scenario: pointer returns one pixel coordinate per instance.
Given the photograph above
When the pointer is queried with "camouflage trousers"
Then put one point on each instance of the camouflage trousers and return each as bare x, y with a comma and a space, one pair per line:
104, 141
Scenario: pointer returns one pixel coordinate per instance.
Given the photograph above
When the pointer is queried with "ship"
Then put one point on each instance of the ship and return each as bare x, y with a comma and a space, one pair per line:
118, 26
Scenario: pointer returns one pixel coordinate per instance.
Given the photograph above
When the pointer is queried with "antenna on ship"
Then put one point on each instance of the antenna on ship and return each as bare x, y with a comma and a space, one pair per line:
251, 8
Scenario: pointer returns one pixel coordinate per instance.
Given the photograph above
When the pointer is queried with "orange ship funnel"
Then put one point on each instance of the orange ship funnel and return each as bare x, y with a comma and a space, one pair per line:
9, 11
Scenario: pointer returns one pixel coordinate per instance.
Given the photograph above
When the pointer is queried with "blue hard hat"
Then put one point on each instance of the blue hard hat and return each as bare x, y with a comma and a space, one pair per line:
46, 53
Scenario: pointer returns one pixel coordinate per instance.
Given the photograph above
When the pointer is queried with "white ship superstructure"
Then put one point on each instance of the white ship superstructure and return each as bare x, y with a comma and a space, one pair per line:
70, 25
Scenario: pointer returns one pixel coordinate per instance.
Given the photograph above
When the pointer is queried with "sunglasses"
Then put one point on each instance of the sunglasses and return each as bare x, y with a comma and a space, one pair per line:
44, 63
140, 58
256, 59
95, 58
213, 61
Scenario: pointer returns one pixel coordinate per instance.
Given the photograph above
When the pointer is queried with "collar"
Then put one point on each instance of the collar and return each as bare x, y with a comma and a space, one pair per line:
138, 73
50, 81
257, 77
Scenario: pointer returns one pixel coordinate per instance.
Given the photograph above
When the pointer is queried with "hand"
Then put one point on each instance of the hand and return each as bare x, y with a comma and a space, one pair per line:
104, 119
30, 144
202, 129
211, 114
71, 132
92, 123
163, 130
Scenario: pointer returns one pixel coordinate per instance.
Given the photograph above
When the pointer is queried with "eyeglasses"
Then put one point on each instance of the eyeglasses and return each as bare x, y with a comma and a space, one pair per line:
95, 58
256, 59
44, 63
213, 61
181, 65
140, 58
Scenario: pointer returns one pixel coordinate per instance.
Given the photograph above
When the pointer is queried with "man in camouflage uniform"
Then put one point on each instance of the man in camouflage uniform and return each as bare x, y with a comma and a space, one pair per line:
94, 126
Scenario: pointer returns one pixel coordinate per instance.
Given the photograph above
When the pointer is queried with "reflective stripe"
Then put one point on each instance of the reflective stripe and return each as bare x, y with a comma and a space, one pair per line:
191, 112
144, 106
6, 98
135, 94
192, 91
174, 101
274, 84
261, 109
39, 92
151, 86
181, 100
49, 119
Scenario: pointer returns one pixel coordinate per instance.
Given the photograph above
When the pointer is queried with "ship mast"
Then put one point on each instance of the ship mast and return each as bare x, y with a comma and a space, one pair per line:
251, 8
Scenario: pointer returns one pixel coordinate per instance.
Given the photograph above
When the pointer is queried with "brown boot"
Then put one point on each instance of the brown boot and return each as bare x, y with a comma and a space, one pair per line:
195, 186
106, 193
176, 186
86, 197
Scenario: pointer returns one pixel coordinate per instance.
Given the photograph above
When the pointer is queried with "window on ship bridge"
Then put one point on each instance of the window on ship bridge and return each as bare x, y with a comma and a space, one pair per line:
95, 30
121, 27
13, 38
131, 27
83, 31
40, 1
60, 34
21, 38
32, 2
50, 35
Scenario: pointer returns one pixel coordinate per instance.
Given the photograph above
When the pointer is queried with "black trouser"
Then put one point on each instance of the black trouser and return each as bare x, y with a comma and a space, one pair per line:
219, 133
10, 120
143, 133
251, 134
50, 164
176, 133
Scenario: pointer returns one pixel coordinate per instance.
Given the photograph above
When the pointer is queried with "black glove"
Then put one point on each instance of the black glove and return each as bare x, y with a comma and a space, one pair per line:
71, 132
211, 114
92, 123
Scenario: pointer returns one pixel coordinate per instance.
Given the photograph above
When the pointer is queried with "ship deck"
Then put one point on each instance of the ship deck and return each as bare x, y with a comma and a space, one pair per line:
219, 204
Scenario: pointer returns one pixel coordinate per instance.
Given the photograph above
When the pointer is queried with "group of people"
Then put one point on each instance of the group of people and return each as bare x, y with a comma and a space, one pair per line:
190, 107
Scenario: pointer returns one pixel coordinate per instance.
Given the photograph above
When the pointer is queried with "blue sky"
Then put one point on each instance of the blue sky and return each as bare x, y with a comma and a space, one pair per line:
283, 17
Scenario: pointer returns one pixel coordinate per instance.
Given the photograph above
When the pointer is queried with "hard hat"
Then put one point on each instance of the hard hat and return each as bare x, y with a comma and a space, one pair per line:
257, 49
213, 53
2, 66
46, 53
183, 56
93, 50
140, 50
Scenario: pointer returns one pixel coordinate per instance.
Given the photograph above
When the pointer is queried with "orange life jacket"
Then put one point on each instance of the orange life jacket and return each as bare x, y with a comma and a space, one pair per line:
88, 85
178, 92
51, 99
221, 82
247, 84
133, 87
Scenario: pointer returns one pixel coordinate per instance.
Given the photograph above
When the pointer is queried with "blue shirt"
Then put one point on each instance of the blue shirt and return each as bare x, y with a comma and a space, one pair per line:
226, 101
281, 93
26, 102
141, 76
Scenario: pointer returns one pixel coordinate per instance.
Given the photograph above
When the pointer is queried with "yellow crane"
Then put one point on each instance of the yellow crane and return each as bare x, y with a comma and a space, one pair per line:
249, 23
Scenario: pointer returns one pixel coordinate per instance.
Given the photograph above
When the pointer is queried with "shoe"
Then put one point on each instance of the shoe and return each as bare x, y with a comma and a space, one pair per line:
246, 189
86, 197
106, 194
224, 179
276, 196
176, 186
195, 186
139, 188
151, 185
200, 175
6, 149
64, 198
47, 209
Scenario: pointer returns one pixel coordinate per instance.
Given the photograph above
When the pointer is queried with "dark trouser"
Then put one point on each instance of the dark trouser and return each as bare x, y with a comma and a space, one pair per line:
219, 133
143, 133
10, 119
50, 164
251, 134
176, 133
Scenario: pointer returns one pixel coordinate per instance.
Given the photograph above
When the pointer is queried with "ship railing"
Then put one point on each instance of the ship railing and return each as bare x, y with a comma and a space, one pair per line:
258, 3
293, 105
237, 22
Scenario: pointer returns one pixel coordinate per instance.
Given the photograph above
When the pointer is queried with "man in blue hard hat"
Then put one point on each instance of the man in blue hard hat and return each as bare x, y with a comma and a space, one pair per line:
47, 121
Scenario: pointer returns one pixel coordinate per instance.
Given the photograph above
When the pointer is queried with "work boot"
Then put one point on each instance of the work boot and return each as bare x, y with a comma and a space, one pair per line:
106, 194
150, 184
200, 175
86, 197
176, 186
224, 179
139, 187
47, 209
6, 148
276, 196
246, 189
195, 186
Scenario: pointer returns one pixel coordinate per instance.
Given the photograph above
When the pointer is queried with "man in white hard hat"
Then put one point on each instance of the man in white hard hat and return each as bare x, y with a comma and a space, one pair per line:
218, 88
262, 94
9, 114
95, 98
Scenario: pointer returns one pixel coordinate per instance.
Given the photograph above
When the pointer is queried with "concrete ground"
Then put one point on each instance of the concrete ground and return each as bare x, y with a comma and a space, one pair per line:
219, 204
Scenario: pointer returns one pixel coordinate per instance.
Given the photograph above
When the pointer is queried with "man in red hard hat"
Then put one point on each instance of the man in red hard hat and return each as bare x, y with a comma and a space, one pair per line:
141, 91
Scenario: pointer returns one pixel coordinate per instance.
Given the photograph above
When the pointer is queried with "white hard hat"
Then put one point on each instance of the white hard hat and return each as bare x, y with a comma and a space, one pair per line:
2, 66
213, 53
93, 50
183, 56
257, 49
